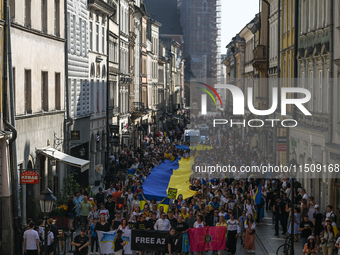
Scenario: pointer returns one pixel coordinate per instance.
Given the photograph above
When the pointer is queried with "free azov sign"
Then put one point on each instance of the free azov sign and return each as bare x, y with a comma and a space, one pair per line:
29, 177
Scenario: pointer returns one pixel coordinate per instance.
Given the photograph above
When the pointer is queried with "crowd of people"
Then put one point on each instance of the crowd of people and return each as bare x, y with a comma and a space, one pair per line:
231, 200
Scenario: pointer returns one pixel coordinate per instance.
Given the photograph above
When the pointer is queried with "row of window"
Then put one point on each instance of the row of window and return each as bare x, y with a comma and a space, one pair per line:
318, 85
28, 96
45, 6
96, 36
314, 14
124, 20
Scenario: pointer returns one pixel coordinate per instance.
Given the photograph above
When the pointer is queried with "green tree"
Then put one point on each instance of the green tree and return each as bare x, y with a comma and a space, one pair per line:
70, 186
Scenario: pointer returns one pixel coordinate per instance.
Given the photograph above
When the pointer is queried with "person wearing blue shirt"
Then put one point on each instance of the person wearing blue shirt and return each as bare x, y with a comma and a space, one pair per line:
227, 215
214, 204
93, 235
77, 200
242, 220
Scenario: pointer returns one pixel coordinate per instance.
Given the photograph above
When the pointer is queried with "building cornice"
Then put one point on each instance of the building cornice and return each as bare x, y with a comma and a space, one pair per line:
37, 32
101, 6
39, 114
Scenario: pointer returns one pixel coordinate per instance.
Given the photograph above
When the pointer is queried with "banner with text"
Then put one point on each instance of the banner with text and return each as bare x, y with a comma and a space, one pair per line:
151, 240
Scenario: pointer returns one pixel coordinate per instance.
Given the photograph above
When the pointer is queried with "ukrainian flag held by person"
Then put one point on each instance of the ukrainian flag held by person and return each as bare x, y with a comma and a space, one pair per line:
257, 199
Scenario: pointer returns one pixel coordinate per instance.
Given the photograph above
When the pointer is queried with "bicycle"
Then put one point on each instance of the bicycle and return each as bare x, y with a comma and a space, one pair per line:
284, 249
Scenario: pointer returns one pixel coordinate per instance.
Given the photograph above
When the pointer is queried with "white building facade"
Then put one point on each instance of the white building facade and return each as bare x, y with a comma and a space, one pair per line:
38, 79
99, 11
78, 85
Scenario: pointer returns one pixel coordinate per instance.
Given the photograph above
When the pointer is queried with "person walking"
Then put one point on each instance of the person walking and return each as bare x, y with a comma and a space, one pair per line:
199, 224
77, 200
317, 223
119, 243
93, 235
85, 207
31, 241
162, 224
296, 224
81, 242
71, 212
222, 223
50, 239
242, 221
306, 229
328, 240
233, 232
190, 220
278, 210
102, 225
310, 247
311, 208
249, 226
169, 241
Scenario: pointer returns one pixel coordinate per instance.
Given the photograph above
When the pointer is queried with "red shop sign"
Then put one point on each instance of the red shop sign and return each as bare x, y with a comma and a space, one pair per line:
29, 177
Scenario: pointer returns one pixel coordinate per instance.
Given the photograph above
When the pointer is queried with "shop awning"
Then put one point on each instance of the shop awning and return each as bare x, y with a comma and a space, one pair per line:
65, 158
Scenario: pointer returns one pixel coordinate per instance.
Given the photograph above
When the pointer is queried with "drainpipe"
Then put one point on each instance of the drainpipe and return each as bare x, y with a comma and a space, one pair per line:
119, 72
108, 88
267, 49
69, 121
278, 75
331, 71
12, 144
296, 36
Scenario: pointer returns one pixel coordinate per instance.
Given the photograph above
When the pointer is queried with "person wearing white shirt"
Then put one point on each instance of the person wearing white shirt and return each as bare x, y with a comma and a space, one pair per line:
329, 213
50, 239
31, 240
111, 189
304, 194
233, 231
163, 223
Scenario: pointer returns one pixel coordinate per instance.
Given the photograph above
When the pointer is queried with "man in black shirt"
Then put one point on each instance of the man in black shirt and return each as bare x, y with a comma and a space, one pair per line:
169, 241
110, 206
317, 223
100, 198
172, 220
142, 223
279, 209
213, 219
81, 243
306, 228
196, 186
152, 221
181, 225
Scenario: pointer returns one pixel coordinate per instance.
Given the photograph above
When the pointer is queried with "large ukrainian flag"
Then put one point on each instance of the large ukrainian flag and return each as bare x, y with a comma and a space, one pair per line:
170, 174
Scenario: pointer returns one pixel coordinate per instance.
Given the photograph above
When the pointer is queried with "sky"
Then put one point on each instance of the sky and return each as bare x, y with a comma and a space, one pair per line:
235, 15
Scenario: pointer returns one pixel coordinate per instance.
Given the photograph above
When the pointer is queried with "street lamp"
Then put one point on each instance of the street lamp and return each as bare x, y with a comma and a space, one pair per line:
46, 204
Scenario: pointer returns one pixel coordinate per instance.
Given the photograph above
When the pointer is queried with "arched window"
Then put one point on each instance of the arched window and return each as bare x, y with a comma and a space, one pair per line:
205, 6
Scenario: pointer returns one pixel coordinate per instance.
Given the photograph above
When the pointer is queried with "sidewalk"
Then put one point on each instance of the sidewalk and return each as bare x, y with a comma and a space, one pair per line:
265, 232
